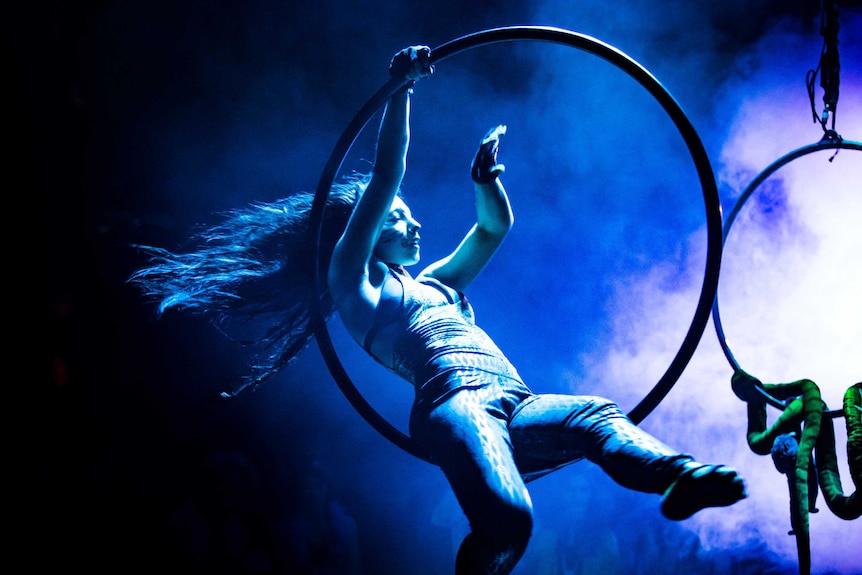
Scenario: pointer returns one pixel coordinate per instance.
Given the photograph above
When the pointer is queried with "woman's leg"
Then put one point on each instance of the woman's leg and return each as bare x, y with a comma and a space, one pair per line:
468, 438
548, 431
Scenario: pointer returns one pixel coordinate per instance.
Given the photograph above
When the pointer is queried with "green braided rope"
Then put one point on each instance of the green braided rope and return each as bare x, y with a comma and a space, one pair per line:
846, 507
804, 407
853, 417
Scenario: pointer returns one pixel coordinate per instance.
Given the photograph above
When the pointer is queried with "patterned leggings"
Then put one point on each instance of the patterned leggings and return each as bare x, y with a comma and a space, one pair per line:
486, 439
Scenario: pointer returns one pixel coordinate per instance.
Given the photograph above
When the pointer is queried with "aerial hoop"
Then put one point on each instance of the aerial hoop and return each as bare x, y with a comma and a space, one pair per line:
829, 142
618, 59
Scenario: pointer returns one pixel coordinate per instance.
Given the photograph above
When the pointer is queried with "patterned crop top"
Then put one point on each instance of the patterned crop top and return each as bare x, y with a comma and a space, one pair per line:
436, 344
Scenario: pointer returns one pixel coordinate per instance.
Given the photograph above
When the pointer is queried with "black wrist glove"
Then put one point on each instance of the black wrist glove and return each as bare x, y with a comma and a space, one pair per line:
411, 64
485, 168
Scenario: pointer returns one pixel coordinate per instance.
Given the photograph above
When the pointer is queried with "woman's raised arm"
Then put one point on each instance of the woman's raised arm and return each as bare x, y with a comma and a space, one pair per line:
494, 219
349, 266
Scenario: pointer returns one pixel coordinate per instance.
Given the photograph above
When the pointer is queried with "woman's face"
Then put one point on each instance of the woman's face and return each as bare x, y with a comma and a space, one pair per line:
398, 243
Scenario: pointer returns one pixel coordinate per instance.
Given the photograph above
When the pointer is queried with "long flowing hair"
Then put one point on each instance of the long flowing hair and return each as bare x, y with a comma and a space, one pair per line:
253, 274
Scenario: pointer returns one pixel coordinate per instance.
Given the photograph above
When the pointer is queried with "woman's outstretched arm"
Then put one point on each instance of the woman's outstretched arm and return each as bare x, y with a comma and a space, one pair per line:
349, 268
354, 248
494, 219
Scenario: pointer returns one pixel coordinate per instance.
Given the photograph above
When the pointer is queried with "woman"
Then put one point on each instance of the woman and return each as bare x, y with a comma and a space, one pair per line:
473, 414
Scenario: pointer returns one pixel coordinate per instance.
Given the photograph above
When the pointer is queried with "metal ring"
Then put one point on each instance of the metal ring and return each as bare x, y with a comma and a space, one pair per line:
827, 143
623, 62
